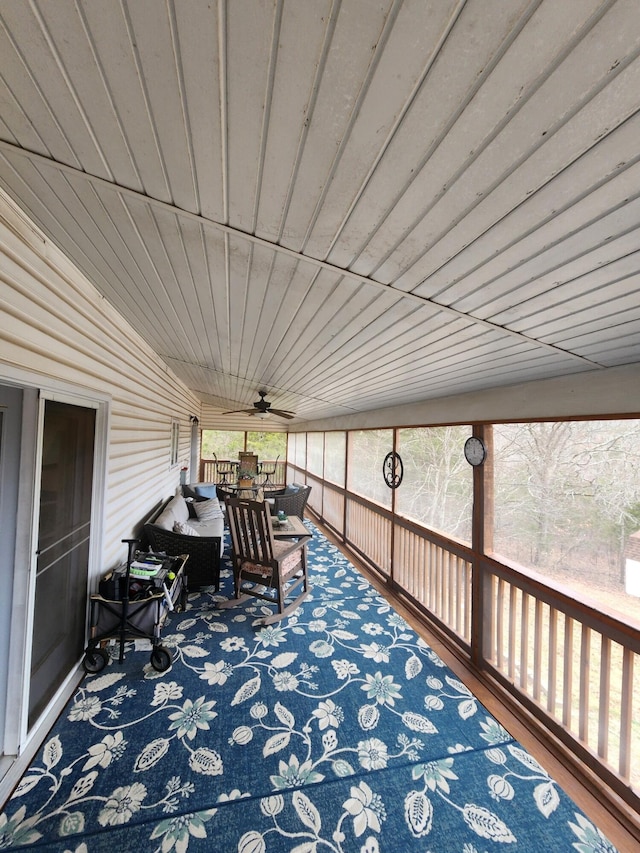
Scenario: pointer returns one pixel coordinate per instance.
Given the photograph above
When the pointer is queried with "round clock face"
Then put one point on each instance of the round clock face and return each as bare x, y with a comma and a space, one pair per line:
474, 451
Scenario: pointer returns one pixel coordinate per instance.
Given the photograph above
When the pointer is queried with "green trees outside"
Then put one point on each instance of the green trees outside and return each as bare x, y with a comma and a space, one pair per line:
227, 444
367, 450
437, 488
566, 495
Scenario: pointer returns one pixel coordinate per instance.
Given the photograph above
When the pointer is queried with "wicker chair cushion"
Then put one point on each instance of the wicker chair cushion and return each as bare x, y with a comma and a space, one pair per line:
293, 502
203, 565
287, 565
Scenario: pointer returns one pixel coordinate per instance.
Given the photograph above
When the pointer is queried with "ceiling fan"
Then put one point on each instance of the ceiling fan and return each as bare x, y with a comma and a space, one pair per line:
262, 408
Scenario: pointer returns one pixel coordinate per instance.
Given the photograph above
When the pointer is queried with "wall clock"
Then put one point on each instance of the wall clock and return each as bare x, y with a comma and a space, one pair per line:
475, 451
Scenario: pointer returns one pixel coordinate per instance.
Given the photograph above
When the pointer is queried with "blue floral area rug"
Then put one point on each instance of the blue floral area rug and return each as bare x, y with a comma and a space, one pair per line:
337, 729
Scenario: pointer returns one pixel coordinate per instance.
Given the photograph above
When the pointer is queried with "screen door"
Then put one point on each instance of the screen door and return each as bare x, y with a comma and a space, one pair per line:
63, 549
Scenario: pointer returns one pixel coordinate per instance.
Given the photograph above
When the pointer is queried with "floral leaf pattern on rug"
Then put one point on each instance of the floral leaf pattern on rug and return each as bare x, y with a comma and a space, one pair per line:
336, 729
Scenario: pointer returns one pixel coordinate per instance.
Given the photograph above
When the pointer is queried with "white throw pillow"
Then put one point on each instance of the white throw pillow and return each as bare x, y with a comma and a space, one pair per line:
208, 510
185, 529
165, 520
179, 507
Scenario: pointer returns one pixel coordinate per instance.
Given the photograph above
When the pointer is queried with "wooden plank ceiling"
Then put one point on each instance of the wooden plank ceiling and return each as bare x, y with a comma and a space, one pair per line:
351, 205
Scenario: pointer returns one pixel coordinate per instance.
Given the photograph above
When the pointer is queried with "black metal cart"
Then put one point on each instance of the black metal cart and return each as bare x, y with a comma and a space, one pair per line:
133, 604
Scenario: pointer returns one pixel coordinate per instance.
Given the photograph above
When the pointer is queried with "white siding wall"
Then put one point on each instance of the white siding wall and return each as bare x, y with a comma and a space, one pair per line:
58, 335
58, 332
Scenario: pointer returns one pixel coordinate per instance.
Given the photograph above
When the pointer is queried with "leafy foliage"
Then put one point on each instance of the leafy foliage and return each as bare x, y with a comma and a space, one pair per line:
228, 444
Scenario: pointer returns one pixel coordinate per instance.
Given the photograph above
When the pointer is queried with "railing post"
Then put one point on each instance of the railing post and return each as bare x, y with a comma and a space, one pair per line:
481, 531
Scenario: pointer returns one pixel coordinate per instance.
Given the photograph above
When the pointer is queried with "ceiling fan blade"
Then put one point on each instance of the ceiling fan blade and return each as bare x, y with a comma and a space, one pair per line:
262, 407
281, 413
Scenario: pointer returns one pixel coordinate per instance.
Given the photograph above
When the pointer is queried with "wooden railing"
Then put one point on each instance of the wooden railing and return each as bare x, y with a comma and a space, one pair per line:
436, 575
369, 533
573, 666
215, 471
577, 665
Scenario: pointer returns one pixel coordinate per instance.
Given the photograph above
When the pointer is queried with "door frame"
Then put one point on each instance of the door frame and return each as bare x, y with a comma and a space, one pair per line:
20, 741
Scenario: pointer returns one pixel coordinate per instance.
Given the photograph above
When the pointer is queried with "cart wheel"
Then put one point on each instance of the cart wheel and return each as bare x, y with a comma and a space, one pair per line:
160, 658
95, 660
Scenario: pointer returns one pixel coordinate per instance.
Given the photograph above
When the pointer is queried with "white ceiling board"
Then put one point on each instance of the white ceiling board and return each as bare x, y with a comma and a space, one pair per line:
345, 65
583, 194
250, 38
199, 57
528, 146
589, 321
350, 205
483, 204
381, 218
393, 77
577, 296
290, 102
610, 259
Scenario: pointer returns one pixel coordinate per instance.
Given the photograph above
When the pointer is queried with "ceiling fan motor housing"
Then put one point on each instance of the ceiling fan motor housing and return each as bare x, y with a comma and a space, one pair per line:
262, 407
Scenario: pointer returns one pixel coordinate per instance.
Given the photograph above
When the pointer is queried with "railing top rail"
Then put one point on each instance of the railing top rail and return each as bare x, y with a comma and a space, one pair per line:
544, 589
439, 539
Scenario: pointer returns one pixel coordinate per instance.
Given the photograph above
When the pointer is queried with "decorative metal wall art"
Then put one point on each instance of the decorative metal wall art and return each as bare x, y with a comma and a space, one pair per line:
392, 470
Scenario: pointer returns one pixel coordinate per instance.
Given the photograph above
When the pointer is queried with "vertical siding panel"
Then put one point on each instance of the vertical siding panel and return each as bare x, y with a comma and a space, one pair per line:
54, 324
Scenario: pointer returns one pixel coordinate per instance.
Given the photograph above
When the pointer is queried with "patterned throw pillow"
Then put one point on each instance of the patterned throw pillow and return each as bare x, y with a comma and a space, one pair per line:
208, 510
185, 529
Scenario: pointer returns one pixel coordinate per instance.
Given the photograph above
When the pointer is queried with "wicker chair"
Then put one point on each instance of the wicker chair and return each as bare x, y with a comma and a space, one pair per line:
263, 567
293, 503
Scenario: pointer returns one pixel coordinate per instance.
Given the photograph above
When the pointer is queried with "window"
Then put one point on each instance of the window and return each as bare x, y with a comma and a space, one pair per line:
267, 445
228, 444
297, 452
175, 442
225, 444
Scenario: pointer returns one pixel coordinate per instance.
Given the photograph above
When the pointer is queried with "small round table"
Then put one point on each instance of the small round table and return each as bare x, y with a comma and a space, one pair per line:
237, 491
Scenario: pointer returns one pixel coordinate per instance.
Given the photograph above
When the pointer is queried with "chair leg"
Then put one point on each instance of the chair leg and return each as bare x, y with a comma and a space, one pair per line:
232, 602
280, 614
238, 596
285, 587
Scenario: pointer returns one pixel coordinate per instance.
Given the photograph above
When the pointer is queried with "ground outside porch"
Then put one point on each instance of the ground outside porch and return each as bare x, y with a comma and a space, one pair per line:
338, 729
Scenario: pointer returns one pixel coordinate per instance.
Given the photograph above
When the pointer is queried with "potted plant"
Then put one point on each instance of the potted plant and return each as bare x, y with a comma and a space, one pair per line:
245, 478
